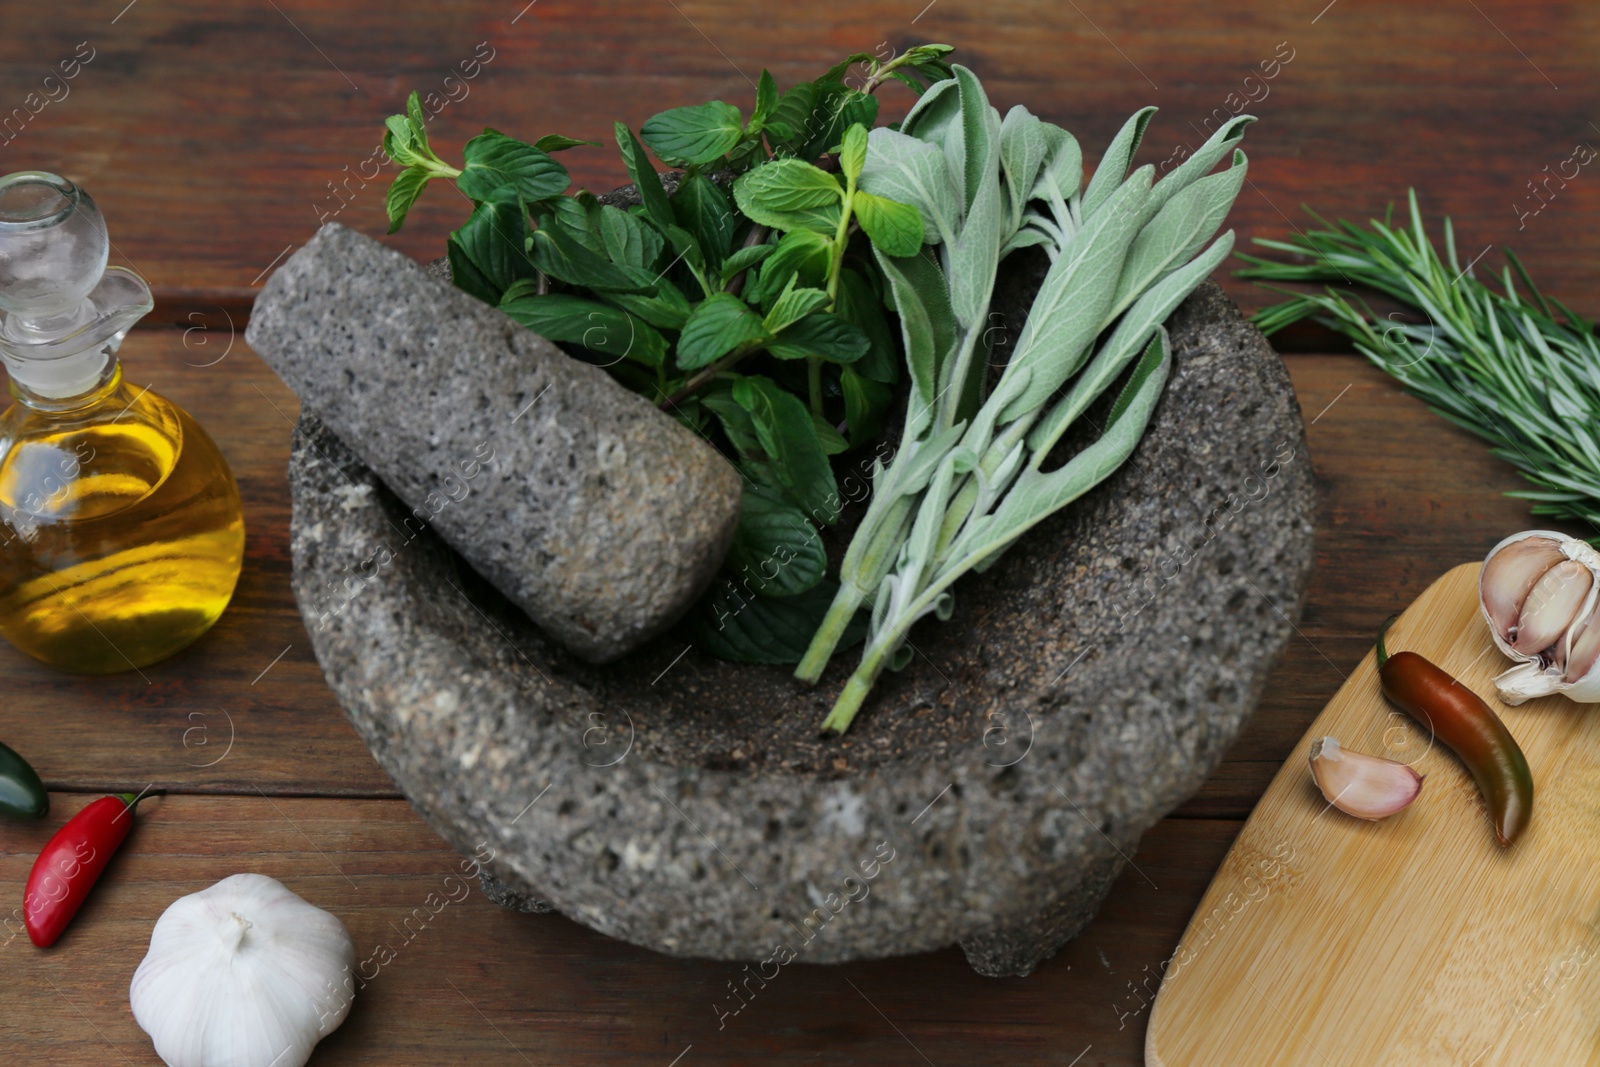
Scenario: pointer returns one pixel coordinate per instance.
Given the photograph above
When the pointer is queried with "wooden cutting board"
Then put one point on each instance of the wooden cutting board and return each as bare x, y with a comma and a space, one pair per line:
1329, 941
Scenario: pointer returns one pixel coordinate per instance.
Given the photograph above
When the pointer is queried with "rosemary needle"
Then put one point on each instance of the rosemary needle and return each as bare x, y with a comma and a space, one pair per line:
1521, 372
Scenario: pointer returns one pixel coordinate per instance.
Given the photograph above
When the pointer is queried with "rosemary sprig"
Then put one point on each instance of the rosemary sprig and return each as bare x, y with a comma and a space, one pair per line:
1521, 372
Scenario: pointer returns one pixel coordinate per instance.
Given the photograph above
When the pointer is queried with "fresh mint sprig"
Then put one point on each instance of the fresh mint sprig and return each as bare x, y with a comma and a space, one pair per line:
746, 302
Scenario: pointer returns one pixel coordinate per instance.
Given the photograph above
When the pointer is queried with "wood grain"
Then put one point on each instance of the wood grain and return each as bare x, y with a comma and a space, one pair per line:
467, 982
1416, 939
210, 134
216, 136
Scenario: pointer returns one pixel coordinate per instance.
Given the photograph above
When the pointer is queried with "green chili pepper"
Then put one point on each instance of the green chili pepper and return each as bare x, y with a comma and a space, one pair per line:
22, 795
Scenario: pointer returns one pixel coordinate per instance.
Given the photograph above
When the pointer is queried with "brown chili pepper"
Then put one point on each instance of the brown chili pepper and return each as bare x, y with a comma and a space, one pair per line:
1459, 717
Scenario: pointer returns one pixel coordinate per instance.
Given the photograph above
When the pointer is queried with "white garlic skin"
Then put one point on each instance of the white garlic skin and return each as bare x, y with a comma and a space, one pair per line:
1516, 576
243, 974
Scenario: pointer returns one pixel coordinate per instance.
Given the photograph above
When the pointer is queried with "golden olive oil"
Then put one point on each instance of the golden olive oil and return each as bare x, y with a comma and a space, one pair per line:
123, 534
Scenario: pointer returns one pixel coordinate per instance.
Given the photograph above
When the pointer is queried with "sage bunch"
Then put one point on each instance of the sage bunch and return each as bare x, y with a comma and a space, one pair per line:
968, 478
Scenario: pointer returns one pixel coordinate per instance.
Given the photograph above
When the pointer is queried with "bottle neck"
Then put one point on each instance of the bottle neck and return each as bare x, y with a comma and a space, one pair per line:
106, 381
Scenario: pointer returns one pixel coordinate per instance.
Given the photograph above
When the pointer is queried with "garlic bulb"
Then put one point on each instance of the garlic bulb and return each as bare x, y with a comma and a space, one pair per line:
1540, 593
244, 974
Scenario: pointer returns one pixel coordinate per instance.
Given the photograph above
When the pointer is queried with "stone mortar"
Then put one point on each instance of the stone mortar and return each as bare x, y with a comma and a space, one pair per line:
988, 794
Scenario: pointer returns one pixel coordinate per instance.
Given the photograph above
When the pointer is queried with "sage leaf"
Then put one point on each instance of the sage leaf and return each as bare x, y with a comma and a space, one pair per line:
1146, 314
645, 178
1023, 148
1061, 174
717, 326
1070, 308
892, 226
980, 136
927, 323
574, 320
912, 171
784, 427
693, 135
1113, 165
1178, 231
1036, 495
1202, 160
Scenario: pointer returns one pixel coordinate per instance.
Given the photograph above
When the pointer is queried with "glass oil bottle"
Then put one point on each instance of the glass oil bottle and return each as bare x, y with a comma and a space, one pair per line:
121, 531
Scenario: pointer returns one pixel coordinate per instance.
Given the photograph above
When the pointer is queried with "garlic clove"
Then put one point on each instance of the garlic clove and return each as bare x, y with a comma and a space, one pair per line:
1510, 574
1368, 787
1585, 649
1551, 607
1529, 681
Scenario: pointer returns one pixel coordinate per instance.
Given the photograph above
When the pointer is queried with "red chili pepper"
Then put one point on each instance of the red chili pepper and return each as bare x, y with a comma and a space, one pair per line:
1459, 717
71, 863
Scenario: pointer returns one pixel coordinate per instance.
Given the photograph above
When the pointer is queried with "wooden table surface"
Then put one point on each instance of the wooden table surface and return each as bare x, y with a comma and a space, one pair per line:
215, 137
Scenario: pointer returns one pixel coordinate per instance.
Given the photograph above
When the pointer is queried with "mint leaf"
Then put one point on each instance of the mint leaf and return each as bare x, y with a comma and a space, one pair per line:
837, 71
703, 210
793, 122
802, 253
492, 241
574, 320
403, 192
399, 142
732, 624
821, 334
736, 421
694, 135
865, 402
665, 308
628, 240
554, 142
853, 151
894, 227
774, 548
792, 305
837, 109
766, 100
495, 161
832, 440
859, 303
645, 178
716, 327
556, 251
784, 186
744, 258
784, 428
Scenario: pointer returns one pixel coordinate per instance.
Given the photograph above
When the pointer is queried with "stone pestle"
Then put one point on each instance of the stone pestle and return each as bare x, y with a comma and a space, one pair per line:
597, 514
